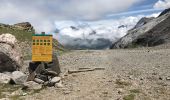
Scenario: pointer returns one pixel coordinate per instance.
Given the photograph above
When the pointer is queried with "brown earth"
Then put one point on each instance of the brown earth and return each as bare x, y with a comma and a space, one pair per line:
130, 74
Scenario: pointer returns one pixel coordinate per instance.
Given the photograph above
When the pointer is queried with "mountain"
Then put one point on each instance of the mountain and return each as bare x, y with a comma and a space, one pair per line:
147, 32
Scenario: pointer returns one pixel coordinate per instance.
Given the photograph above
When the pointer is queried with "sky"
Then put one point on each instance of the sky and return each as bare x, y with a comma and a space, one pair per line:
45, 12
49, 15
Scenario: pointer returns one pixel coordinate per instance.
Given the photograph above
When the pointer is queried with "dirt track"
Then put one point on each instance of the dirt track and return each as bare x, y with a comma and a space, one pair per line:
140, 74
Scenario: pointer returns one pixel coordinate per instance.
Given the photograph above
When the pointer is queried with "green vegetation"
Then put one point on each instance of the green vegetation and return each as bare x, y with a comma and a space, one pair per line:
135, 91
133, 45
21, 35
129, 97
25, 37
7, 88
123, 83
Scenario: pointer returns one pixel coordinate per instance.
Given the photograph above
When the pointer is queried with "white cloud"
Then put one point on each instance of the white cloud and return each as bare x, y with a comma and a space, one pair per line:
133, 12
162, 4
110, 30
42, 13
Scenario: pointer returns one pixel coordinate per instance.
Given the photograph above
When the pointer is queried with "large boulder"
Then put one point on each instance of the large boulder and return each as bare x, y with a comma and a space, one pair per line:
11, 58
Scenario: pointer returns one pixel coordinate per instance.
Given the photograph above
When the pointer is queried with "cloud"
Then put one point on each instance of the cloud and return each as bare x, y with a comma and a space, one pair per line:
133, 12
162, 4
43, 13
95, 34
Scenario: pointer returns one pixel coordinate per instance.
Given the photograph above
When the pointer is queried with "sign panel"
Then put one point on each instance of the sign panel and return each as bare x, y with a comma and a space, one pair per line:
42, 48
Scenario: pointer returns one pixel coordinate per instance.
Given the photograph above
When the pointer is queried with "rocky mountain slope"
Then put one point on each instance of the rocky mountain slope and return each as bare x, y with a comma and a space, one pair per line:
147, 32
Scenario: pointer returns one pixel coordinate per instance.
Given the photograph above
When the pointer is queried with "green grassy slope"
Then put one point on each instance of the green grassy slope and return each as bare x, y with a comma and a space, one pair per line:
25, 37
21, 35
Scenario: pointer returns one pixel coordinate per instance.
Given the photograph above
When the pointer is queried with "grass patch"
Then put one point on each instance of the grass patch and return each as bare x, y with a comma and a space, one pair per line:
21, 35
129, 97
16, 97
133, 45
135, 91
7, 88
122, 83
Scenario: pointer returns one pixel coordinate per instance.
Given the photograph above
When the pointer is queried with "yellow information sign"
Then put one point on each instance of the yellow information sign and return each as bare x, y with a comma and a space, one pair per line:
42, 48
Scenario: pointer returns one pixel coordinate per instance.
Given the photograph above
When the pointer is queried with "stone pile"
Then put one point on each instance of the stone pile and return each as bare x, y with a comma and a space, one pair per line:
11, 62
46, 74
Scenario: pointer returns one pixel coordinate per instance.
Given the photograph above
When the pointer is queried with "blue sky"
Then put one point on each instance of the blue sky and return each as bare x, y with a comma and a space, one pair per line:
146, 7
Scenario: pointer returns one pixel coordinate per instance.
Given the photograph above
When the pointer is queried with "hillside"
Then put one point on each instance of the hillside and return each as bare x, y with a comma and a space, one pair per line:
23, 32
147, 33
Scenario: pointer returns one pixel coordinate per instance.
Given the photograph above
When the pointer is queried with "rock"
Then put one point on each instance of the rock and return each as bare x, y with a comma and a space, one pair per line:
24, 26
31, 85
120, 91
55, 80
59, 85
47, 68
19, 77
168, 78
42, 77
66, 92
160, 78
54, 65
39, 81
8, 39
11, 58
4, 78
130, 77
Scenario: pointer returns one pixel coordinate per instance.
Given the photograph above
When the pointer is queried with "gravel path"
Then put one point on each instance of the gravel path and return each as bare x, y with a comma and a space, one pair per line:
137, 74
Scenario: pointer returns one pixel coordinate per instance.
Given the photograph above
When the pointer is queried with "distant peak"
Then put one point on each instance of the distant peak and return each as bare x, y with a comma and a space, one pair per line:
165, 12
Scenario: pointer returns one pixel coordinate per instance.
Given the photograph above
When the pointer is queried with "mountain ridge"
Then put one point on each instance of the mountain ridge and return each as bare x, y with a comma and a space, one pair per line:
155, 32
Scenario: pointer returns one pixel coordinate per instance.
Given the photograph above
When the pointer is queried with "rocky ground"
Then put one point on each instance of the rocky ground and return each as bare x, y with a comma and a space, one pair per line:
130, 74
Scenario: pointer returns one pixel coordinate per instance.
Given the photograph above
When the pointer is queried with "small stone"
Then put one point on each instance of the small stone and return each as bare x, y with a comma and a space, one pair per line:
120, 91
55, 80
154, 73
24, 94
39, 81
130, 77
67, 92
141, 79
45, 83
31, 85
59, 85
160, 78
168, 78
4, 78
105, 92
18, 77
